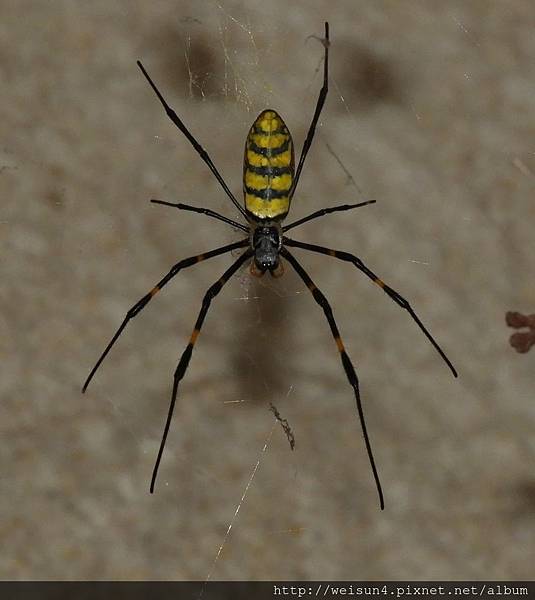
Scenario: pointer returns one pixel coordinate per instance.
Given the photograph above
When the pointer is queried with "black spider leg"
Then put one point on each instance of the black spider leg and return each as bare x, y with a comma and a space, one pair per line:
186, 355
203, 211
397, 298
317, 112
326, 211
346, 361
199, 149
187, 262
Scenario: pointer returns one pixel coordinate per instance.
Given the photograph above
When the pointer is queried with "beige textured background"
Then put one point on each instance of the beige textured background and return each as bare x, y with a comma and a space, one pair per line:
432, 112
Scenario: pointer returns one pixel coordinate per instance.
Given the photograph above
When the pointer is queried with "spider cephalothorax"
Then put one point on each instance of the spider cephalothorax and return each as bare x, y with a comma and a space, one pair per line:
266, 241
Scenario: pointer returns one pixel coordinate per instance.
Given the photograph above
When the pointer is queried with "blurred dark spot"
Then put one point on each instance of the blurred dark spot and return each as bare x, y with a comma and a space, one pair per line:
525, 495
203, 70
365, 78
193, 63
54, 198
190, 20
259, 357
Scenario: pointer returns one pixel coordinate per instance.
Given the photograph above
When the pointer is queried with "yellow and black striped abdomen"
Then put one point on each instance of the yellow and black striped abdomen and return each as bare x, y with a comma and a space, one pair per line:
268, 168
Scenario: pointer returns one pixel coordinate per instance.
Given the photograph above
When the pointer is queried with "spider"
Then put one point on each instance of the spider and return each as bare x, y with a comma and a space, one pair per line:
269, 183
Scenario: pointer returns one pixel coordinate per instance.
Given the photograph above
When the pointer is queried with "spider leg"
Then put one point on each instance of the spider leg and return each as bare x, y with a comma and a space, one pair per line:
326, 211
397, 298
317, 112
187, 262
182, 366
199, 149
204, 211
346, 361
